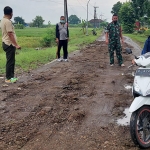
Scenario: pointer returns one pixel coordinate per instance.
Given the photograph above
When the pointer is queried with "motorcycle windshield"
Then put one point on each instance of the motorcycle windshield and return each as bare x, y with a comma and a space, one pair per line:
142, 72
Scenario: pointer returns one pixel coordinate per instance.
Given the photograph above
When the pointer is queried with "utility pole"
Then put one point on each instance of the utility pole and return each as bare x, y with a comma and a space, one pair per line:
87, 19
66, 11
101, 15
95, 15
100, 19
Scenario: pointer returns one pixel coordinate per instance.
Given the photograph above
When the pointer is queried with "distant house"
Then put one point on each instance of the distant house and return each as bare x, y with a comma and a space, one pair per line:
138, 25
95, 22
27, 25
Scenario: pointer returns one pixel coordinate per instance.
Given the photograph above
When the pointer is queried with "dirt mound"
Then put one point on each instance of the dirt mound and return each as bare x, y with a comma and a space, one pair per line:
68, 105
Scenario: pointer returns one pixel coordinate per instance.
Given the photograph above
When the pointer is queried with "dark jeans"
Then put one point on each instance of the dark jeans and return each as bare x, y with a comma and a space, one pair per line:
10, 57
64, 44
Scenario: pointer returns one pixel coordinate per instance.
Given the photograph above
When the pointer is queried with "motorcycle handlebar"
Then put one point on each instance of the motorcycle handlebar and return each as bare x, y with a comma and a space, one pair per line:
130, 66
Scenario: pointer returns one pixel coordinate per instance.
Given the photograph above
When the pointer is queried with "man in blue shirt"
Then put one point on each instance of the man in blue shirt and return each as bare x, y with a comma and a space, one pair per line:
146, 47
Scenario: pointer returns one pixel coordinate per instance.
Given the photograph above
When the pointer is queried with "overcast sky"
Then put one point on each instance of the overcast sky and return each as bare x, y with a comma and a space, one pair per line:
51, 10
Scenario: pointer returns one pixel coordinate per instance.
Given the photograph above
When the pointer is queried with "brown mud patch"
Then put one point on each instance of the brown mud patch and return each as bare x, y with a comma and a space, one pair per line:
68, 105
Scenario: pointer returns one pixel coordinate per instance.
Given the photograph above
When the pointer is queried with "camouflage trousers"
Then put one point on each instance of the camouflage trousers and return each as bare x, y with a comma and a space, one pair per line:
115, 46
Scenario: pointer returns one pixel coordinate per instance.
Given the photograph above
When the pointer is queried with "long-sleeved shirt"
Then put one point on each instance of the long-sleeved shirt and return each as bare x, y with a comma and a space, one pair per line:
146, 47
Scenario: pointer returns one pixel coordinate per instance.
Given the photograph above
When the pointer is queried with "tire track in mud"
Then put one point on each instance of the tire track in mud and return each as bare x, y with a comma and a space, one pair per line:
29, 118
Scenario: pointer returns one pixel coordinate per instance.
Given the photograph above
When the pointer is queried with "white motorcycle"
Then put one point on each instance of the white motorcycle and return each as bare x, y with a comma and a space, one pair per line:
140, 107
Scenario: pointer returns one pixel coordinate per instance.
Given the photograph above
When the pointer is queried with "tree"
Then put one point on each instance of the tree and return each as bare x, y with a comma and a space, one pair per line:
49, 24
116, 7
19, 26
19, 20
73, 19
104, 23
142, 11
147, 8
139, 8
127, 17
38, 21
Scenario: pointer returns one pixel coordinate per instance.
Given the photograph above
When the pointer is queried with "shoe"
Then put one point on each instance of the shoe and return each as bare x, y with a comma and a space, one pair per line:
15, 79
66, 60
111, 65
122, 65
12, 80
59, 59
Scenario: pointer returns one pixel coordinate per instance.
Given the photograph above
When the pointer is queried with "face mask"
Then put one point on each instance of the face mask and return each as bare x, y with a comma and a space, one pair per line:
62, 21
115, 21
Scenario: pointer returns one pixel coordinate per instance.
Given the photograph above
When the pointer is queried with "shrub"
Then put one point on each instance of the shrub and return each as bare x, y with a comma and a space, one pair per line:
19, 26
147, 33
49, 38
128, 28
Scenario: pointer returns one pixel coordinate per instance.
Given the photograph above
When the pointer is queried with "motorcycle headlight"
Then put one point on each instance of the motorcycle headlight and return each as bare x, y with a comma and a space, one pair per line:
137, 88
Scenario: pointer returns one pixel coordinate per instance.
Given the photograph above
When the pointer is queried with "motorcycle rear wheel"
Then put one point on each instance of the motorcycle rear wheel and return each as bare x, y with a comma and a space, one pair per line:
140, 127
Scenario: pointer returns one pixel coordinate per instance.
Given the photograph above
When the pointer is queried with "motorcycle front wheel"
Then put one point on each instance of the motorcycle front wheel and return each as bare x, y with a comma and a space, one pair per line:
140, 127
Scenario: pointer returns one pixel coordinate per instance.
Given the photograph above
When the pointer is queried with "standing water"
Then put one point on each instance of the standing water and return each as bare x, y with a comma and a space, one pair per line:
126, 119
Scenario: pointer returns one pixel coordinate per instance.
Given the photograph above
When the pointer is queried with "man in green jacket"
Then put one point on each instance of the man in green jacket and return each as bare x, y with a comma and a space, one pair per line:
113, 35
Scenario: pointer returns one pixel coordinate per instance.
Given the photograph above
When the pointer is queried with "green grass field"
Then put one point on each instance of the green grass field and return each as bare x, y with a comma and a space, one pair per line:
30, 38
139, 38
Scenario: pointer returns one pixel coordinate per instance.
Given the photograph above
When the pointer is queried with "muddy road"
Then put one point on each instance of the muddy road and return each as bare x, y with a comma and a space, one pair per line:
71, 105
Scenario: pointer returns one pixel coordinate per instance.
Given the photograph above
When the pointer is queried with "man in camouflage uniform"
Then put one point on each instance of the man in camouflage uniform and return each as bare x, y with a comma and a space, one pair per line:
113, 34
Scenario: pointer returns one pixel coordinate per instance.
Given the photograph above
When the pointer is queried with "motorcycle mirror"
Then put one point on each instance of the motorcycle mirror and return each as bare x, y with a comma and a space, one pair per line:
128, 50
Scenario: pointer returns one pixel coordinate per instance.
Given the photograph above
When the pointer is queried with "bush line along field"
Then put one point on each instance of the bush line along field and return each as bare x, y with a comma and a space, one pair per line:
31, 38
140, 37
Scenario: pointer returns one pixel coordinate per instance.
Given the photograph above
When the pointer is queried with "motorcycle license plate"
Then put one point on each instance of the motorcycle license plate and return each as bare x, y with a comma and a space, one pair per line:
143, 72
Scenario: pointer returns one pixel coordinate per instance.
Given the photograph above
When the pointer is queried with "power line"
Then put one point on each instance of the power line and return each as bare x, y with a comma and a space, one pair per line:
85, 8
101, 15
81, 5
58, 2
86, 3
70, 6
48, 0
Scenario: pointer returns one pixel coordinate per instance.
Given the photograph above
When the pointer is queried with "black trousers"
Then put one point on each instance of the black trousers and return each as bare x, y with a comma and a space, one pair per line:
10, 60
64, 44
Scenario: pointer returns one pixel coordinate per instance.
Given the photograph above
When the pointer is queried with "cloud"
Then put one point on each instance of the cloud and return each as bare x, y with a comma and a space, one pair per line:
51, 10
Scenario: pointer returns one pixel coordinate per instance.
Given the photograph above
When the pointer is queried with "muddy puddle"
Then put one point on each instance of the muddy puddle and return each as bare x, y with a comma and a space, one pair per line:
126, 119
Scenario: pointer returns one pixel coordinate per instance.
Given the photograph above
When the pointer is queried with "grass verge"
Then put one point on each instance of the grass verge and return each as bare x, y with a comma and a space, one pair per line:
139, 39
29, 58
